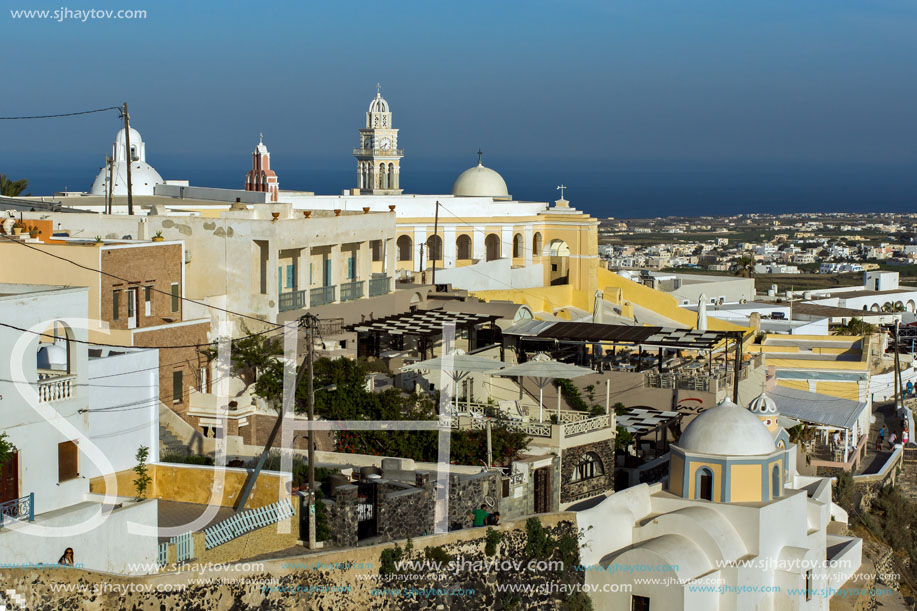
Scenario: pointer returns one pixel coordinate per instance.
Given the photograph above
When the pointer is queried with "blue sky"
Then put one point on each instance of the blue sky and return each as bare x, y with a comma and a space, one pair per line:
537, 85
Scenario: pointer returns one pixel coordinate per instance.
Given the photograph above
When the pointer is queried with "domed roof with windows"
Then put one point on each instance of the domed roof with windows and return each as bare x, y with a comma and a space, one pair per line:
144, 177
762, 405
480, 181
727, 430
379, 104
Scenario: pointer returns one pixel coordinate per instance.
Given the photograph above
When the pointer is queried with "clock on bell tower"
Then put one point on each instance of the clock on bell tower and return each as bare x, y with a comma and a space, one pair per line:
378, 156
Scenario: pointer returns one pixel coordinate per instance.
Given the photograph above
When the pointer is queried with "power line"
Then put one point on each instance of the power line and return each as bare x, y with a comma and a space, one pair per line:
63, 114
103, 345
110, 275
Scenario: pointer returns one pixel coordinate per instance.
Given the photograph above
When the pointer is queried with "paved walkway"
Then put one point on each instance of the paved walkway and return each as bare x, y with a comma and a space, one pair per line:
173, 513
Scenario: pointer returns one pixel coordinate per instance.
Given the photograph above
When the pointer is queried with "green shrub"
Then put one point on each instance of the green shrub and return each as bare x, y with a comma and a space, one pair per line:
187, 459
437, 554
388, 560
491, 539
539, 543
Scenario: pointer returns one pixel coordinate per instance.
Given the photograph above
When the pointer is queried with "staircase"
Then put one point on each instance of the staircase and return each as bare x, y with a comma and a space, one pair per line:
169, 443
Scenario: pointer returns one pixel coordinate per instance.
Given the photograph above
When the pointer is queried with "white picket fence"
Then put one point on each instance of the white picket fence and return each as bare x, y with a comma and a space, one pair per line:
247, 521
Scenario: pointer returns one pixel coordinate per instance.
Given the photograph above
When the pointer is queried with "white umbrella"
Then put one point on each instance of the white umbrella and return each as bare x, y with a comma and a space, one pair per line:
542, 369
702, 312
462, 366
598, 308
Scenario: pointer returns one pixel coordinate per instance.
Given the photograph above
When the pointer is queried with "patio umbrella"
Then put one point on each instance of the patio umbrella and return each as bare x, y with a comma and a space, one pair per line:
542, 369
702, 312
463, 365
598, 308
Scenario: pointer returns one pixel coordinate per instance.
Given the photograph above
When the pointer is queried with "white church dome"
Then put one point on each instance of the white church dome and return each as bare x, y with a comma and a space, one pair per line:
143, 176
727, 430
379, 104
480, 181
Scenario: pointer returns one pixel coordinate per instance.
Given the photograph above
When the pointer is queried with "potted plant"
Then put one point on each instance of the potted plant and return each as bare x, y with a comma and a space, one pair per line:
18, 226
157, 237
337, 212
365, 209
307, 213
34, 232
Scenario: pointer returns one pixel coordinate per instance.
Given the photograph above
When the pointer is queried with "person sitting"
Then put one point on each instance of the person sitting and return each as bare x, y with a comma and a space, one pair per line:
479, 516
493, 519
67, 558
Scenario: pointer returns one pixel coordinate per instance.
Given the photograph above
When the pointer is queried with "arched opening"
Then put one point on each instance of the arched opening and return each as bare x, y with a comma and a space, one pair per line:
383, 177
776, 486
536, 244
405, 250
703, 487
559, 248
517, 246
559, 253
874, 307
55, 352
492, 246
589, 466
463, 247
865, 308
910, 306
434, 248
391, 177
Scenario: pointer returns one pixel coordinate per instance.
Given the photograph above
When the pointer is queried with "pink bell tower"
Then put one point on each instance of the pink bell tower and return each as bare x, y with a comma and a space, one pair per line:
261, 177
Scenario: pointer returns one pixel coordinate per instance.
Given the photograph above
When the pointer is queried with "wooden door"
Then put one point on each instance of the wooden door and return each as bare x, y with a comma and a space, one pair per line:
543, 490
9, 479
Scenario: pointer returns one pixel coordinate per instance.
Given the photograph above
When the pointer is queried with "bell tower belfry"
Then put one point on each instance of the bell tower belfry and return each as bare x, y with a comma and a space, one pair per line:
378, 155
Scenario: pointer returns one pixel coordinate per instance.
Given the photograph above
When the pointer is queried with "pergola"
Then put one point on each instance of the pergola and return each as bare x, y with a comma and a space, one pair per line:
425, 325
642, 422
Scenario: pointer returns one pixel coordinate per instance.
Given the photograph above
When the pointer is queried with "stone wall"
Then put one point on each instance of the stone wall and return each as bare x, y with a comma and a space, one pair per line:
342, 579
570, 457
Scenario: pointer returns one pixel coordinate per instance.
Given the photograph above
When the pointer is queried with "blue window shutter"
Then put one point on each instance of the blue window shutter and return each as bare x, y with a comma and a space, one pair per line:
310, 274
291, 276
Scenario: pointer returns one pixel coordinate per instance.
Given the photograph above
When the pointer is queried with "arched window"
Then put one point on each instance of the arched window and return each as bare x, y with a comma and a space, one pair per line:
434, 248
776, 488
391, 177
703, 487
517, 245
536, 244
405, 250
588, 467
492, 246
463, 246
383, 177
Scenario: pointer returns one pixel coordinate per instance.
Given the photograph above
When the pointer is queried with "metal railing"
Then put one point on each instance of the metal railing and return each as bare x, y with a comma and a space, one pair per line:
321, 295
379, 286
379, 152
18, 509
247, 521
586, 426
703, 383
293, 300
351, 290
55, 388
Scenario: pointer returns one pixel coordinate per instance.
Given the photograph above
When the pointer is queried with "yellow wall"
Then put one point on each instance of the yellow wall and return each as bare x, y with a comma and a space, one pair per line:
818, 364
193, 484
844, 390
717, 470
745, 483
797, 384
676, 473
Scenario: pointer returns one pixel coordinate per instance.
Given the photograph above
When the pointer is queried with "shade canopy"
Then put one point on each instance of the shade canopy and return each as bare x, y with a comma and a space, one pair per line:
542, 370
465, 363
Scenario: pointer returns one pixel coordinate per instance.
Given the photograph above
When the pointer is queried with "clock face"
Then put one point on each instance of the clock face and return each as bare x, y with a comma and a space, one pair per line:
385, 144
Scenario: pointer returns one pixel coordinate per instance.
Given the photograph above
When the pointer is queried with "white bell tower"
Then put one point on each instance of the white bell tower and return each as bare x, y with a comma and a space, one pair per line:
378, 155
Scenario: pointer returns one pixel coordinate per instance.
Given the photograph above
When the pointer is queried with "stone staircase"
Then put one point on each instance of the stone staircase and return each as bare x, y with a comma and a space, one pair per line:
169, 443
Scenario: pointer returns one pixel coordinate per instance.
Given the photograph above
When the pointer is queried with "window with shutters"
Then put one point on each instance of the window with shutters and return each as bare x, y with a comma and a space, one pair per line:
177, 386
67, 461
115, 304
175, 296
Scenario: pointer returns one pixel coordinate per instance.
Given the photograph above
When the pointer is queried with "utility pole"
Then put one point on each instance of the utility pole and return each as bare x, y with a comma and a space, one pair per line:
435, 234
130, 159
898, 390
311, 321
109, 164
737, 369
423, 272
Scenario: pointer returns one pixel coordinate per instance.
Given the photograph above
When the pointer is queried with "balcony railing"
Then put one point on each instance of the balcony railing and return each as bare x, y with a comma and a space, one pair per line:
55, 388
379, 286
379, 152
351, 290
321, 296
19, 509
293, 300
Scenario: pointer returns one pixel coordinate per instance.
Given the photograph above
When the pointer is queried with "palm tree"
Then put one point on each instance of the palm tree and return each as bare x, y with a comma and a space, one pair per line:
12, 188
745, 267
854, 326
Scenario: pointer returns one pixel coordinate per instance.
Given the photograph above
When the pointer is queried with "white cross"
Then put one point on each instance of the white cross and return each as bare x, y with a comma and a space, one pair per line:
561, 189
